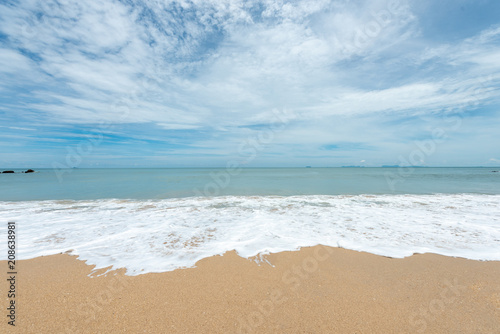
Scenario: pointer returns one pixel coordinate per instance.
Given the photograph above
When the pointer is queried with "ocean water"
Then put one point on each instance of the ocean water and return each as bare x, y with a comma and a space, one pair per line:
155, 220
91, 184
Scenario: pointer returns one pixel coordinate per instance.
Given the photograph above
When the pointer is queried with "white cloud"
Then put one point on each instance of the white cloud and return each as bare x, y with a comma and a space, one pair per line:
223, 64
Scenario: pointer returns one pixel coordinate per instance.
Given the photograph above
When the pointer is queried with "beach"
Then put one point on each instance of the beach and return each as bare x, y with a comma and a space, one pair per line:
305, 166
314, 290
335, 251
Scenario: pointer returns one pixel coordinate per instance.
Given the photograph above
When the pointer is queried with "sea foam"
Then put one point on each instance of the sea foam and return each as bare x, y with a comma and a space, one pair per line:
146, 236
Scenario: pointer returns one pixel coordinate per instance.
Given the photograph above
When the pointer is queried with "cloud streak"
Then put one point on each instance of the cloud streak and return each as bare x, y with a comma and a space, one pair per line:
198, 72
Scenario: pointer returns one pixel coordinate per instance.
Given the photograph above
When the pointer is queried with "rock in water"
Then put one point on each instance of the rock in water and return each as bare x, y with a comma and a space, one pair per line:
8, 172
30, 171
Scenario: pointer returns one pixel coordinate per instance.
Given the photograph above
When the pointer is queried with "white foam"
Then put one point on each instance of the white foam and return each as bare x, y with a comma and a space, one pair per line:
162, 235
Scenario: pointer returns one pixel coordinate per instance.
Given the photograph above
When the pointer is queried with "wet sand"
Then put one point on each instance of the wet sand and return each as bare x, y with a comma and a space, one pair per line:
314, 290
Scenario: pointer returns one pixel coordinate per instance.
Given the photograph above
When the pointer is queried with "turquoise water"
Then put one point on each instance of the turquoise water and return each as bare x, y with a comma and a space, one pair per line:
155, 220
89, 184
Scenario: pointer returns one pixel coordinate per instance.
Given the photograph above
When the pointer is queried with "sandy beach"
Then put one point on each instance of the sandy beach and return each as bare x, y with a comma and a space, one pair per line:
314, 290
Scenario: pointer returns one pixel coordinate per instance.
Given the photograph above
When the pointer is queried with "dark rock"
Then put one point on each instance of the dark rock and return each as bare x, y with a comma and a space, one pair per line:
8, 172
30, 171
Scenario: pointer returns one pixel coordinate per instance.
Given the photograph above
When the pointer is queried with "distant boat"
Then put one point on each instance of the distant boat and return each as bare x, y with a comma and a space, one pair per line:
308, 167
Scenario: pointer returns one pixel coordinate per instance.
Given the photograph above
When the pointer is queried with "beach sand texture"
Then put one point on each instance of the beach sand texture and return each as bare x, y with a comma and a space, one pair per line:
314, 290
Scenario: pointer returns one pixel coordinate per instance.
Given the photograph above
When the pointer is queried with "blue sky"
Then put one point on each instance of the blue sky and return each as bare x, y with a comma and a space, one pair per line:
263, 83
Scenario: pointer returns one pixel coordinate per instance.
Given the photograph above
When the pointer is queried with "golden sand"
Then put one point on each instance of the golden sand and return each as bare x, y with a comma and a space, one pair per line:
314, 290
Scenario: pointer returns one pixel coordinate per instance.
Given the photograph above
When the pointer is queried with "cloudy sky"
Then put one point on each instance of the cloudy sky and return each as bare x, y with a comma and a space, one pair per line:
265, 82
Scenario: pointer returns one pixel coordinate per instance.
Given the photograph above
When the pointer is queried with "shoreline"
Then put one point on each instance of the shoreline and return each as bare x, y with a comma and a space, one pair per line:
314, 290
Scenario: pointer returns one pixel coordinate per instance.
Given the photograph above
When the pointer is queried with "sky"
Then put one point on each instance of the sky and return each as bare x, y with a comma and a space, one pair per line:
264, 83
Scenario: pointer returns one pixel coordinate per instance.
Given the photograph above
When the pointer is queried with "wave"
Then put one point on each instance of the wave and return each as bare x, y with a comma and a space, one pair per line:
146, 236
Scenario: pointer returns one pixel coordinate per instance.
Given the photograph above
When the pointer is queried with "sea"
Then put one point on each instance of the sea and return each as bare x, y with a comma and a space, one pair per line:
157, 220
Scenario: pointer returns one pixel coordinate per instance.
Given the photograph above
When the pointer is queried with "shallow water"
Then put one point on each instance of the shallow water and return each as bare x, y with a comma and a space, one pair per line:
155, 220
